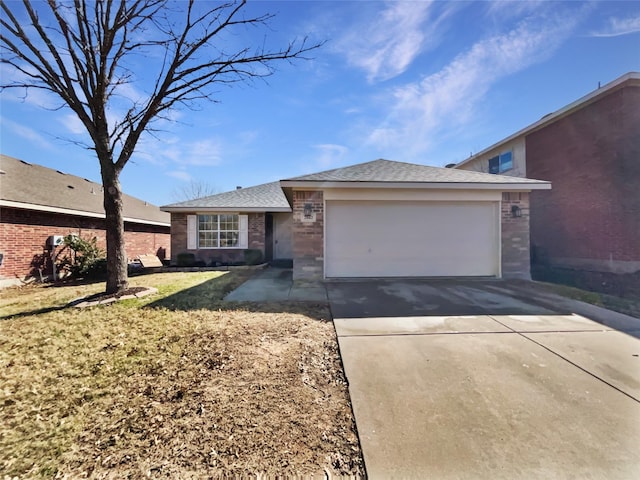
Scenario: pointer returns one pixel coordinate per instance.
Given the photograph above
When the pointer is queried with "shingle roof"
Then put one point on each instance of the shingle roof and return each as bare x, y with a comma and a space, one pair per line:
399, 172
265, 197
41, 188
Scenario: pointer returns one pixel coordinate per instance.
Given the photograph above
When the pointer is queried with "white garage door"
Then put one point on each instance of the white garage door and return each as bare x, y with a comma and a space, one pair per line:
404, 239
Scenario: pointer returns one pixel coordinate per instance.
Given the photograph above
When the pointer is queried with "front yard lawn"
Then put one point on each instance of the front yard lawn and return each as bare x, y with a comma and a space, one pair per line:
173, 385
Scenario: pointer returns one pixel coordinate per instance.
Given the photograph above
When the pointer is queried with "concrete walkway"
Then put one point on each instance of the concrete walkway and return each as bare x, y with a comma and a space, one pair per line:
277, 285
525, 392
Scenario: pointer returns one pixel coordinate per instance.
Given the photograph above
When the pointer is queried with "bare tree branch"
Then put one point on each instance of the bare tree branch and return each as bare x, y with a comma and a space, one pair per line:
87, 51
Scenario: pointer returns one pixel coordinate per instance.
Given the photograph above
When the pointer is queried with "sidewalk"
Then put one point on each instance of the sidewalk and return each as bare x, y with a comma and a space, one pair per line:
277, 285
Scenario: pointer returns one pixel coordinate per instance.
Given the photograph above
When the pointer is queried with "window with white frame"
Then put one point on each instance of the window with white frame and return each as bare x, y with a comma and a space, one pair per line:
501, 163
220, 230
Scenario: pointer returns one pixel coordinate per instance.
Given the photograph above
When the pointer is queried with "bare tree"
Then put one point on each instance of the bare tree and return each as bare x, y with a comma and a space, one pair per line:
87, 52
194, 189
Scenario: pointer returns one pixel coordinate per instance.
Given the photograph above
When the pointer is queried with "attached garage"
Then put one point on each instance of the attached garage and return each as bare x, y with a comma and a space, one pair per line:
411, 239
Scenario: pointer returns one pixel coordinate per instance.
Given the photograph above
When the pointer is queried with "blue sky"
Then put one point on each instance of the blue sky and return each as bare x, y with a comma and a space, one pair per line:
421, 82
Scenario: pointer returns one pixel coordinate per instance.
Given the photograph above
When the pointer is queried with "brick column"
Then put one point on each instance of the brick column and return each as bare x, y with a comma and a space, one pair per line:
515, 236
308, 236
256, 231
178, 235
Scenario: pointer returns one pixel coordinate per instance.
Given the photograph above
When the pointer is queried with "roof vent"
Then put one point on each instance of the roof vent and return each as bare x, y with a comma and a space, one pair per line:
71, 187
26, 163
61, 173
450, 165
239, 187
2, 172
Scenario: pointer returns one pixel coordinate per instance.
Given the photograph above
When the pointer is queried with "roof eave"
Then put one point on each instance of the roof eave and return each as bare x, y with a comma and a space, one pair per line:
77, 213
224, 209
512, 186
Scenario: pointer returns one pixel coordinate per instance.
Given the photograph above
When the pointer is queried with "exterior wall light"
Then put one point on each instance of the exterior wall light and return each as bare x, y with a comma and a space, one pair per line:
308, 210
516, 211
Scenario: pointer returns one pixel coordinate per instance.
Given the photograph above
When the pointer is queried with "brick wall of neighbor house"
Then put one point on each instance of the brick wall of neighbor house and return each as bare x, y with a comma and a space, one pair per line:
590, 220
515, 236
24, 233
308, 240
209, 256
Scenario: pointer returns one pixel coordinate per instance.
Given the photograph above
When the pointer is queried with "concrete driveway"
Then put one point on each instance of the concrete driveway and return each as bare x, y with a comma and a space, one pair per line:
488, 379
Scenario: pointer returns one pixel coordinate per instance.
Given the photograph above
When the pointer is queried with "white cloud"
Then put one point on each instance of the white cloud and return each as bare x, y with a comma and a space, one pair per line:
171, 150
180, 175
27, 133
506, 9
73, 124
420, 111
330, 154
619, 26
385, 46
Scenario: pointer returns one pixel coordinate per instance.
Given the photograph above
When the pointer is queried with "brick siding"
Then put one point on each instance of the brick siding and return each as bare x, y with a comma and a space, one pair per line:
308, 237
256, 239
515, 236
591, 217
24, 233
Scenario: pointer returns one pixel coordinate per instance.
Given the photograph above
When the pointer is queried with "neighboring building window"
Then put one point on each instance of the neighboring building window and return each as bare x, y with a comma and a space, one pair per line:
218, 231
501, 163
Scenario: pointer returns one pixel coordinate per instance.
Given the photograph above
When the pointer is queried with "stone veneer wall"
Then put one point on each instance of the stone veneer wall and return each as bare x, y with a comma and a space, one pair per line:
308, 236
208, 255
516, 261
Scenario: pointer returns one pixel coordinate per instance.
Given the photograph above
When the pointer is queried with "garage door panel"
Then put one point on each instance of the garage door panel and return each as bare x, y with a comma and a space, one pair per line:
366, 239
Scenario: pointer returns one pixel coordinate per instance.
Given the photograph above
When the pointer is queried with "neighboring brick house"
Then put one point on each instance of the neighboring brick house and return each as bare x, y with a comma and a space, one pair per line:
586, 231
375, 219
37, 202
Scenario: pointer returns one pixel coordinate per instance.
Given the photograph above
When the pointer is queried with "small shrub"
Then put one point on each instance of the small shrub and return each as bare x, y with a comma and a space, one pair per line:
252, 256
86, 259
186, 259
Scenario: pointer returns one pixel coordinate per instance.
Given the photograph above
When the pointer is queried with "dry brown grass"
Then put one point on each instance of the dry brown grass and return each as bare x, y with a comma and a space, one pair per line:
177, 385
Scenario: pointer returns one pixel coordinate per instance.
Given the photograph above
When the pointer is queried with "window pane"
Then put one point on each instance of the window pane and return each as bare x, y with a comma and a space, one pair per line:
506, 161
229, 239
494, 165
228, 222
207, 240
207, 222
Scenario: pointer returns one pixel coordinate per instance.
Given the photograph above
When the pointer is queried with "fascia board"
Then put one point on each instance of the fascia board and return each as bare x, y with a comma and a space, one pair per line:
77, 213
511, 187
224, 209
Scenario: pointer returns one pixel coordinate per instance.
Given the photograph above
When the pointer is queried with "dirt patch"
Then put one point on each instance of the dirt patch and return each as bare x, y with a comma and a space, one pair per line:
104, 298
134, 391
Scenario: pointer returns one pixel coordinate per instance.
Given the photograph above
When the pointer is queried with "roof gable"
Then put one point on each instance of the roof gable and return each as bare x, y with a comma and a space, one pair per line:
36, 187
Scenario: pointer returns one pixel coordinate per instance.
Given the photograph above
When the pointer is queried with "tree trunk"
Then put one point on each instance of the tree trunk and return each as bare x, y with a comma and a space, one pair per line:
117, 277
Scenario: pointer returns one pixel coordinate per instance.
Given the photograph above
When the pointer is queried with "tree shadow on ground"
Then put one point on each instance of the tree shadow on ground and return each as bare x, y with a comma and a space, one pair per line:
210, 295
37, 311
